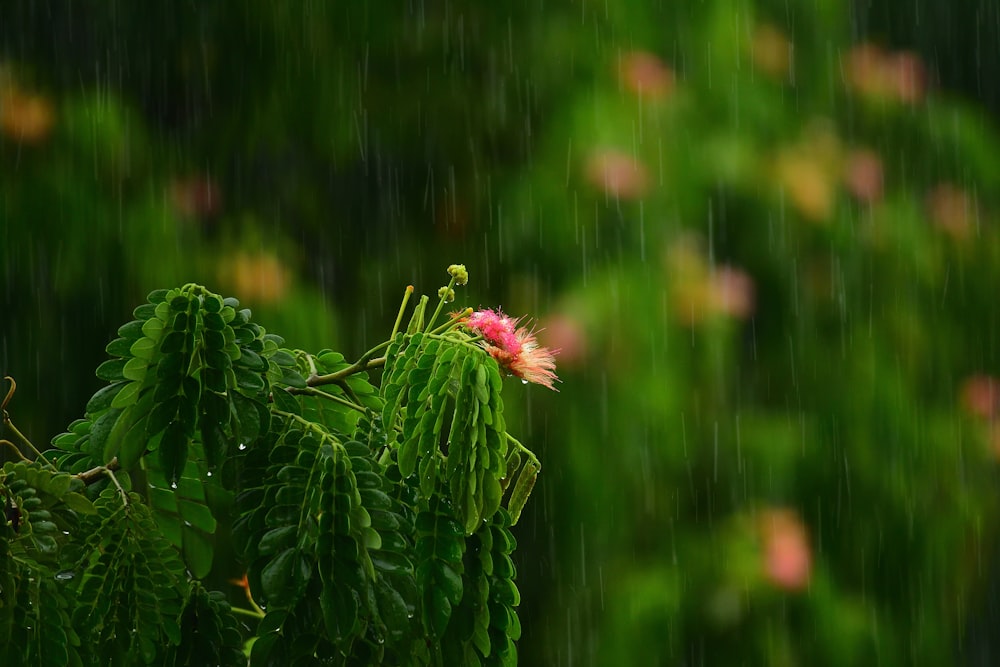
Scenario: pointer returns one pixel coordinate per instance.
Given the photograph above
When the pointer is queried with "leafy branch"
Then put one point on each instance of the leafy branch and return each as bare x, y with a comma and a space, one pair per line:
380, 512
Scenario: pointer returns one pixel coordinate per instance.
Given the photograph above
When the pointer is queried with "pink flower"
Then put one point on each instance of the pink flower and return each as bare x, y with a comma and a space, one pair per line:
863, 175
646, 75
981, 396
497, 329
617, 174
515, 349
787, 556
568, 335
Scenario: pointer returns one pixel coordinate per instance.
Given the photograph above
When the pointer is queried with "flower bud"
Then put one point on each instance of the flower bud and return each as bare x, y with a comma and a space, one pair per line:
458, 272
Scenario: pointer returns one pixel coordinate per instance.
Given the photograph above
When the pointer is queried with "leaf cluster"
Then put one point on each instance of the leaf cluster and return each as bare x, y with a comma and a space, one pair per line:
367, 521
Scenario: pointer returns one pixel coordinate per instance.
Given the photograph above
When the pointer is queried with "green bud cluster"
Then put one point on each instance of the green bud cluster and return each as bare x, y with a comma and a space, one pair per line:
458, 272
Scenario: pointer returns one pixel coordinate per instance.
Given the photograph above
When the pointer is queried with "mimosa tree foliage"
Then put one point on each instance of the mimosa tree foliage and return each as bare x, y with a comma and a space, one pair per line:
371, 521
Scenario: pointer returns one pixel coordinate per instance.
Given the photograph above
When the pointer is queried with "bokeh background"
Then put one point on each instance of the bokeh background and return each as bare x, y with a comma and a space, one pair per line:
764, 235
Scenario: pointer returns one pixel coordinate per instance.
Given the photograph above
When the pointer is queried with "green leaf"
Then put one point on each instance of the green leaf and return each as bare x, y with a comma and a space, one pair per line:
292, 378
285, 573
215, 442
214, 340
197, 514
111, 370
505, 592
128, 394
132, 330
157, 296
247, 417
79, 503
437, 611
283, 358
133, 444
101, 429
393, 611
161, 415
119, 347
144, 348
450, 582
101, 399
407, 456
197, 552
251, 360
277, 538
285, 402
522, 489
212, 304
135, 369
173, 451
249, 380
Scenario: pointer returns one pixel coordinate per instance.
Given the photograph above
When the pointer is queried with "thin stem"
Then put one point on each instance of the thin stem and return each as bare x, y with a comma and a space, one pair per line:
88, 477
384, 459
356, 367
441, 302
9, 424
312, 364
468, 342
27, 443
312, 391
346, 388
16, 450
302, 420
257, 612
451, 324
10, 393
402, 308
114, 480
530, 454
371, 353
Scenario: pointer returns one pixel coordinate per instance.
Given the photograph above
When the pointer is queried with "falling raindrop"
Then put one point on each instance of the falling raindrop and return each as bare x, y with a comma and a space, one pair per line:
173, 485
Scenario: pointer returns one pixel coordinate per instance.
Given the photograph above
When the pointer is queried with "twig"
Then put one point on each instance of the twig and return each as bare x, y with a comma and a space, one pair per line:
88, 477
356, 367
402, 309
312, 391
525, 450
16, 450
114, 480
9, 424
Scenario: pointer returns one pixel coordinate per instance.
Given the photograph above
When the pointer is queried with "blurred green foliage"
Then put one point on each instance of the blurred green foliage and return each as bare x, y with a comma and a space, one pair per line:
767, 247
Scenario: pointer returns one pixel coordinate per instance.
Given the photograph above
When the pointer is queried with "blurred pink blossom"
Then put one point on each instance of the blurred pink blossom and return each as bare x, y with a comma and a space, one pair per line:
897, 76
566, 334
617, 174
787, 555
645, 75
980, 396
196, 197
732, 292
863, 175
952, 210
